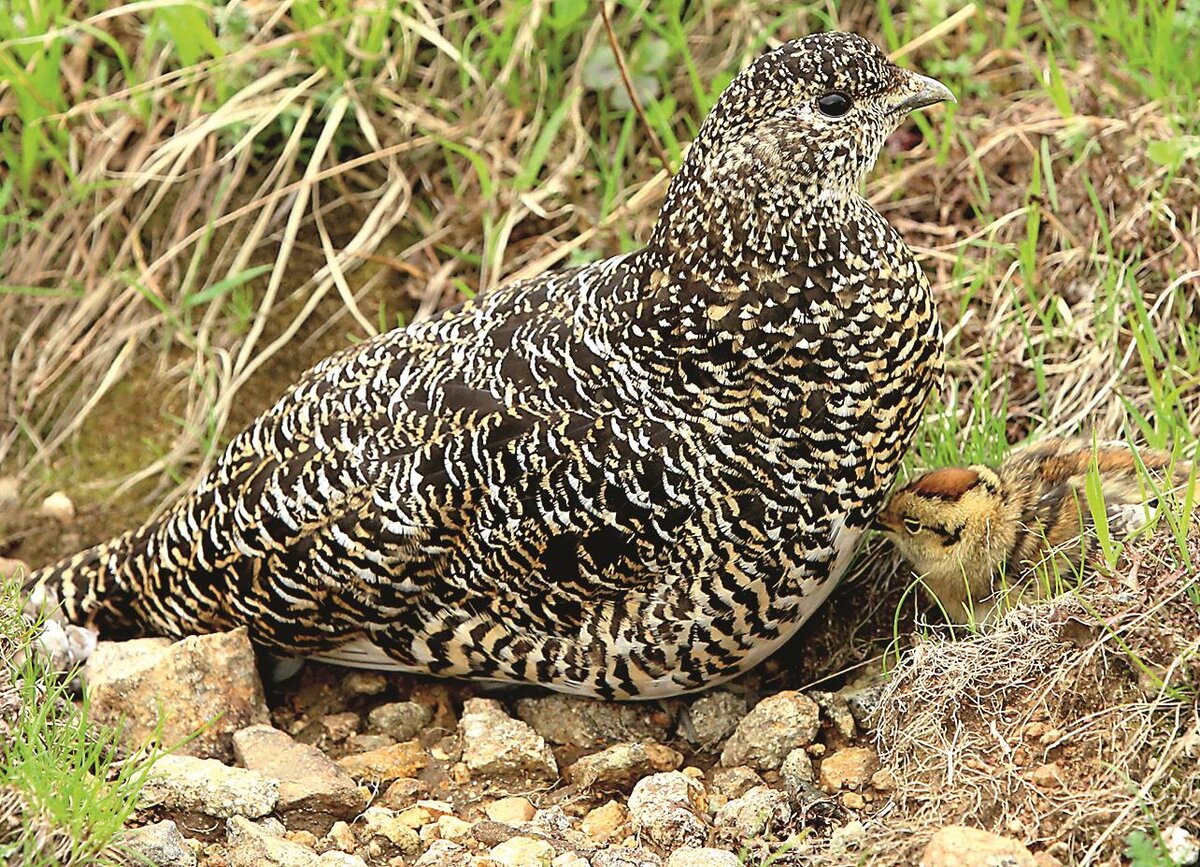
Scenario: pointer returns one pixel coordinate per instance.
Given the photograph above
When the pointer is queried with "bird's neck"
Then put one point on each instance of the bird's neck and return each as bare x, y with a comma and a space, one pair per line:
740, 212
758, 264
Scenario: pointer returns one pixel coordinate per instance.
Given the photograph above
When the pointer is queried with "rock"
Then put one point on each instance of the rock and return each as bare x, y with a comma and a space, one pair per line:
404, 792
206, 687
10, 494
589, 723
666, 810
849, 838
622, 765
691, 856
402, 720
510, 811
340, 726
523, 852
797, 770
364, 683
367, 743
334, 858
883, 780
1047, 776
1182, 846
253, 846
730, 783
453, 828
777, 725
13, 568
341, 836
760, 810
606, 823
313, 791
837, 710
59, 507
626, 856
188, 785
415, 817
160, 844
498, 747
490, 833
960, 846
382, 835
386, 763
848, 768
569, 859
714, 716
443, 853
853, 801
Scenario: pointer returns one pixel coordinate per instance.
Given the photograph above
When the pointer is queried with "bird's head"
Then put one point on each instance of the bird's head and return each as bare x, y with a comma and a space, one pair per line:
949, 520
812, 114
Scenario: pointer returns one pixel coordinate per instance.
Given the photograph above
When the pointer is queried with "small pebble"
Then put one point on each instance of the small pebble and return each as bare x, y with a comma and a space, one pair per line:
523, 852
364, 683
510, 811
402, 720
59, 507
607, 822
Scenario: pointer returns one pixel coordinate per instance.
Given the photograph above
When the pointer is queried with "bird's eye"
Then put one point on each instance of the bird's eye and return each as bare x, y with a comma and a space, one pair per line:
834, 104
912, 525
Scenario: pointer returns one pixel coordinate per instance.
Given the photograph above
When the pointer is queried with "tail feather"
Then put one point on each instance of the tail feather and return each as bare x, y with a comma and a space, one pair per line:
89, 589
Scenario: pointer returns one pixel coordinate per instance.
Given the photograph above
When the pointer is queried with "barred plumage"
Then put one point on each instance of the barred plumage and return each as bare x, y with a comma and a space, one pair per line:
630, 479
978, 535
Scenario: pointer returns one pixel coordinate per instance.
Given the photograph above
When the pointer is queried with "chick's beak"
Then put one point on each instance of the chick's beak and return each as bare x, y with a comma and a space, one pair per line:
921, 91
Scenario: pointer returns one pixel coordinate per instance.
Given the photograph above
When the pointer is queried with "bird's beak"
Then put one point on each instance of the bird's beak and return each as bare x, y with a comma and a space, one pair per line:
923, 91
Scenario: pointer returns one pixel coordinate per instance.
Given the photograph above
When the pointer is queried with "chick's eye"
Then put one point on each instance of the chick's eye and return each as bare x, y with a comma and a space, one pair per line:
912, 525
834, 104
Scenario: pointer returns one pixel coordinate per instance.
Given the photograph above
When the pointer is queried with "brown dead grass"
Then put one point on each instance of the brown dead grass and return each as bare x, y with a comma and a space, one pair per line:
1068, 726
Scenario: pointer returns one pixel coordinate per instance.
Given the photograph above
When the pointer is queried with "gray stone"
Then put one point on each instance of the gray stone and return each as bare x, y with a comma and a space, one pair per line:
497, 747
730, 783
383, 834
10, 494
958, 845
836, 709
622, 765
313, 791
402, 720
589, 723
797, 770
364, 683
367, 743
666, 810
253, 846
161, 844
188, 785
849, 838
522, 852
205, 687
443, 853
777, 725
714, 716
626, 856
760, 810
691, 856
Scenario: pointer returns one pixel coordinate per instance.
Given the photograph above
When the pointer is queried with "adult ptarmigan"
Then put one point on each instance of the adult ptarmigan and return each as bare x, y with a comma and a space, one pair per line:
631, 479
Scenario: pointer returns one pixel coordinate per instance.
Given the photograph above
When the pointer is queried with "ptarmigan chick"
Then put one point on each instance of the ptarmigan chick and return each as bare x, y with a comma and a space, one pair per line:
635, 478
977, 535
